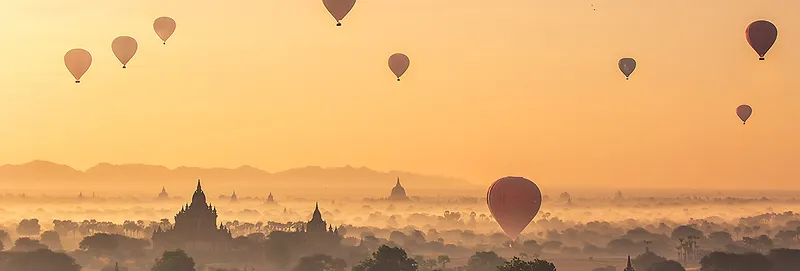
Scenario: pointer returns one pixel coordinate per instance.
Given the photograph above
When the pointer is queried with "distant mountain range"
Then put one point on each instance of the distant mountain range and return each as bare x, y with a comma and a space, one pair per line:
38, 174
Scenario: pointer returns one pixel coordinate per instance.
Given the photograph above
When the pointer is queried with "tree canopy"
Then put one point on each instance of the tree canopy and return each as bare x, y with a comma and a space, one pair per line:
387, 259
174, 260
517, 264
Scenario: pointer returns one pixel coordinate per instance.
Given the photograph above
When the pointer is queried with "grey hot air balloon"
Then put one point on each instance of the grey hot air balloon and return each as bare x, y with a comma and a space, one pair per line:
339, 8
398, 63
78, 62
626, 66
124, 48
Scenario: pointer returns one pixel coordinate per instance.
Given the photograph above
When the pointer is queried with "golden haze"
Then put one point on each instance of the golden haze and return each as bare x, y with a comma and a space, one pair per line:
527, 88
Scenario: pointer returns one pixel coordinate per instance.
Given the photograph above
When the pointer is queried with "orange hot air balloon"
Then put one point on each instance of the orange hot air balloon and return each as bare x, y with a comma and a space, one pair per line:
124, 48
626, 66
513, 202
339, 8
744, 111
398, 63
78, 62
761, 35
164, 27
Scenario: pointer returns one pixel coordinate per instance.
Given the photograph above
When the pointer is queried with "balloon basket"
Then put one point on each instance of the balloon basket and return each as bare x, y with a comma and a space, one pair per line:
398, 79
123, 66
626, 79
760, 58
338, 24
77, 81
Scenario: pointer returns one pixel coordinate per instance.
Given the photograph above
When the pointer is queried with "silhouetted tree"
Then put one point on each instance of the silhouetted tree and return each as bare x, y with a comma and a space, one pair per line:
484, 261
26, 244
387, 259
320, 262
669, 265
39, 260
784, 259
52, 240
721, 238
646, 260
114, 267
721, 261
174, 260
99, 245
516, 264
443, 260
5, 238
685, 231
29, 227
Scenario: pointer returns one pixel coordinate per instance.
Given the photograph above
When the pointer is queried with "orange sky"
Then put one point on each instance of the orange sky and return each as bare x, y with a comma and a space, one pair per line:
519, 87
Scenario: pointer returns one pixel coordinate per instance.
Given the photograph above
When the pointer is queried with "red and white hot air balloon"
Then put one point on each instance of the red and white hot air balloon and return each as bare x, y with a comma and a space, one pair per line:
513, 202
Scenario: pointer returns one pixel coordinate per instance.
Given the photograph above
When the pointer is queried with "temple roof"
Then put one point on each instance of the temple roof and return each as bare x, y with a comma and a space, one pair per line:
317, 215
199, 198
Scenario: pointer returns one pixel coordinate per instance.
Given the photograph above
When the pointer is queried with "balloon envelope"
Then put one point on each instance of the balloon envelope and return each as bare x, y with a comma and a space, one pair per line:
164, 27
124, 48
398, 63
627, 65
513, 202
78, 62
339, 8
761, 35
744, 111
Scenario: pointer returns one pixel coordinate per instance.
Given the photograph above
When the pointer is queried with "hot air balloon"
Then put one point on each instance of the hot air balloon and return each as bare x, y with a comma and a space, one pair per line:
513, 202
627, 65
761, 35
124, 48
398, 63
339, 8
164, 27
78, 62
744, 111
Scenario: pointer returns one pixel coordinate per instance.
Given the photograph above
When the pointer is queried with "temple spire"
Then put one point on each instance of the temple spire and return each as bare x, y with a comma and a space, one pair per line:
629, 267
398, 182
198, 185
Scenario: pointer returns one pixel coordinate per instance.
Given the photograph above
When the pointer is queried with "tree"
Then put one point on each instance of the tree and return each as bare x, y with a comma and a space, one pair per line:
114, 267
721, 238
784, 259
516, 264
174, 260
686, 231
387, 259
484, 261
669, 265
42, 259
26, 244
721, 261
2, 246
52, 240
646, 260
320, 262
29, 227
443, 260
5, 238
